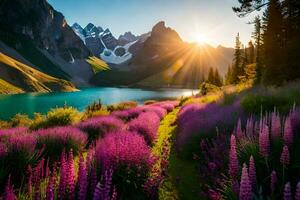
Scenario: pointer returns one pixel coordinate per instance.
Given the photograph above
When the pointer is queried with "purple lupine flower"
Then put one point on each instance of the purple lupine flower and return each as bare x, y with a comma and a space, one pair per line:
273, 181
285, 156
288, 132
297, 193
82, 179
9, 191
147, 125
239, 131
295, 119
275, 126
98, 192
70, 175
50, 189
102, 191
245, 185
233, 158
93, 179
287, 194
123, 148
252, 172
159, 111
63, 138
99, 126
63, 176
264, 141
115, 194
250, 127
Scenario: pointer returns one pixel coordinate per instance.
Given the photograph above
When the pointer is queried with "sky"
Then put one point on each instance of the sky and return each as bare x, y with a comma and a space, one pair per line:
209, 21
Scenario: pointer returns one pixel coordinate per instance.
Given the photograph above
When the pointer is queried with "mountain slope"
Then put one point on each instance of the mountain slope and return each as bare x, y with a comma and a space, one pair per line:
42, 36
163, 59
16, 77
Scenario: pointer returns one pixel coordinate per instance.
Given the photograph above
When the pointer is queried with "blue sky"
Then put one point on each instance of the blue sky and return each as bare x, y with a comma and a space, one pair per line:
211, 21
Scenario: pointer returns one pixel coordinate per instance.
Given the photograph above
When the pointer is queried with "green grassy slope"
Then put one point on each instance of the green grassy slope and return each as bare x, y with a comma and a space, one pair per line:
17, 77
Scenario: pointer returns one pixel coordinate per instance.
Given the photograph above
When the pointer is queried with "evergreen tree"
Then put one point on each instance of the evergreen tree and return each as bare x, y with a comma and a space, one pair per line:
273, 44
251, 53
257, 36
237, 66
279, 58
211, 77
228, 76
217, 78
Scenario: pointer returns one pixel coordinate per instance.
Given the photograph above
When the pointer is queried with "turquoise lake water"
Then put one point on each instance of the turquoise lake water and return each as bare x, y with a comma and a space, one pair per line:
37, 102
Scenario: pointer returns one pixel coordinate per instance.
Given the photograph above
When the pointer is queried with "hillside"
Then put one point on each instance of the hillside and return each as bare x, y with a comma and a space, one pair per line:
164, 59
16, 77
40, 34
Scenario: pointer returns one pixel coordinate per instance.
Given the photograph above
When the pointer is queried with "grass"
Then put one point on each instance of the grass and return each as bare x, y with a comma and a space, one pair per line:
7, 88
30, 52
97, 64
173, 188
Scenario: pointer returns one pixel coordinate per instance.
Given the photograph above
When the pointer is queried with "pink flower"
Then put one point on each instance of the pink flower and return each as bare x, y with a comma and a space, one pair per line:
82, 179
245, 185
287, 194
9, 191
297, 194
63, 176
70, 175
276, 126
285, 156
264, 141
288, 132
50, 189
233, 159
273, 181
252, 172
239, 132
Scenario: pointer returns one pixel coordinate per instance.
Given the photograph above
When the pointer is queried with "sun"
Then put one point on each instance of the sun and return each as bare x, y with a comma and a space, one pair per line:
201, 39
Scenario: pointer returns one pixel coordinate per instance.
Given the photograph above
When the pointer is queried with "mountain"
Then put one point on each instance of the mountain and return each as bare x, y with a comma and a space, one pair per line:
162, 58
42, 36
127, 38
16, 77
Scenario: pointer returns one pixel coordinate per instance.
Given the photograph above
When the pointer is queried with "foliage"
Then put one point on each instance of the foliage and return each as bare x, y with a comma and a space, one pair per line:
99, 126
122, 106
54, 141
97, 64
57, 117
20, 120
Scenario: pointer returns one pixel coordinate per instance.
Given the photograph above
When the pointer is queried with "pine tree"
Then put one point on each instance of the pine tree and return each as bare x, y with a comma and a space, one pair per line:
211, 77
237, 66
217, 78
250, 52
228, 76
273, 44
257, 36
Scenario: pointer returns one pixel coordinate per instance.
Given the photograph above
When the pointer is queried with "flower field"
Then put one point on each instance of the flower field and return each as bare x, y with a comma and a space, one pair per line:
194, 149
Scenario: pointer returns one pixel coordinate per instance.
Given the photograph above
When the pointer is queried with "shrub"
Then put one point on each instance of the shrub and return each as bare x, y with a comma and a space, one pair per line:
55, 140
17, 151
57, 117
160, 112
99, 126
146, 125
122, 106
167, 105
149, 102
127, 115
196, 121
129, 156
20, 120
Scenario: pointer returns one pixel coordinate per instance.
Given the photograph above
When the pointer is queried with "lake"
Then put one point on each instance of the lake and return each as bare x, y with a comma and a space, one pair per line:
42, 102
